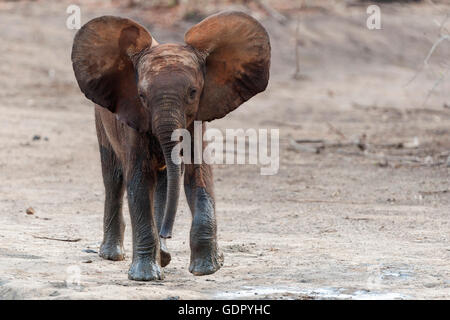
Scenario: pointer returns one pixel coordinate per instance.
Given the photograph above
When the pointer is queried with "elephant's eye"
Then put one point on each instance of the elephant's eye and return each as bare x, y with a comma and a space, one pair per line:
142, 97
192, 93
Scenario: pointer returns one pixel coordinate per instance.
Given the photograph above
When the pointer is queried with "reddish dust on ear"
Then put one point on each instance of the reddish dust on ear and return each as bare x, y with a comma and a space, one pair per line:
237, 63
101, 57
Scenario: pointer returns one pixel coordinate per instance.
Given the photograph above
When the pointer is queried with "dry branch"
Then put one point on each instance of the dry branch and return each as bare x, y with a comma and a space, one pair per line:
271, 11
57, 239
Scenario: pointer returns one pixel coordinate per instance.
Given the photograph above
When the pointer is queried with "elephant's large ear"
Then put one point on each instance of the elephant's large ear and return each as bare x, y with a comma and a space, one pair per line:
237, 48
102, 58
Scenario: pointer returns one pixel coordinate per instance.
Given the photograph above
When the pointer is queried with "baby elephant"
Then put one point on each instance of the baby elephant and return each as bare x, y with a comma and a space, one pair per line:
143, 91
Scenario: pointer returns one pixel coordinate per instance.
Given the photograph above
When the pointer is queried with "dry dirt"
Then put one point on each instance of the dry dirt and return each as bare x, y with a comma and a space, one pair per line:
341, 223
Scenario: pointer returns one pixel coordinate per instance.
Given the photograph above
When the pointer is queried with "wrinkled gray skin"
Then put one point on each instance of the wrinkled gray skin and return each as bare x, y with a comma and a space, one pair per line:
170, 78
143, 92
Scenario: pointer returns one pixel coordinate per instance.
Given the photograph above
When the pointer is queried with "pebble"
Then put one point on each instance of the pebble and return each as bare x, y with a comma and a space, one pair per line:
89, 251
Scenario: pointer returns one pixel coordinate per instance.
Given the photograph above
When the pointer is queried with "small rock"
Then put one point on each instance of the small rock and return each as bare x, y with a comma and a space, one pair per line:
51, 74
36, 137
173, 298
30, 211
383, 163
428, 160
54, 294
412, 144
448, 161
89, 251
87, 261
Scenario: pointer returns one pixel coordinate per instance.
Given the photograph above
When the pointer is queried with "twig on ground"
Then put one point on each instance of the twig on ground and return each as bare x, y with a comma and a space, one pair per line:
318, 146
309, 141
298, 146
428, 57
297, 74
433, 48
428, 193
435, 85
326, 201
271, 11
336, 130
282, 123
56, 239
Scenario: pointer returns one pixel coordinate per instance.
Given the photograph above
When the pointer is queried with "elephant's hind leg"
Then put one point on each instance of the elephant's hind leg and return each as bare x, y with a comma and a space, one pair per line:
113, 222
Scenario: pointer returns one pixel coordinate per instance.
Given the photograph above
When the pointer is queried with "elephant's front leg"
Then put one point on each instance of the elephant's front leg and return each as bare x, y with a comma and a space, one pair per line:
198, 185
146, 257
113, 223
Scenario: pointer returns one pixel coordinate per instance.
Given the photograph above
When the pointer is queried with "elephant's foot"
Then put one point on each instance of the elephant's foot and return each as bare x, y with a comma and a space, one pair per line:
145, 269
112, 251
205, 259
164, 252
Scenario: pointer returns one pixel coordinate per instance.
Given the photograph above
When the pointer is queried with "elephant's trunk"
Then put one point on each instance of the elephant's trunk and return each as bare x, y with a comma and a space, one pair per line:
168, 119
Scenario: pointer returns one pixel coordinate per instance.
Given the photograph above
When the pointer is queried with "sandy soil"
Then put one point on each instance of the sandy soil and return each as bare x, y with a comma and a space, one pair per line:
340, 223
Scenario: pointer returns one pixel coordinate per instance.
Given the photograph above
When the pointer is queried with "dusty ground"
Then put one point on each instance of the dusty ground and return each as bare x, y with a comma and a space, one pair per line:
340, 223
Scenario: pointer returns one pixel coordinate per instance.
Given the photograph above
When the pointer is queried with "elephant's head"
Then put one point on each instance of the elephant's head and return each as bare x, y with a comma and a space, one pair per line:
158, 88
